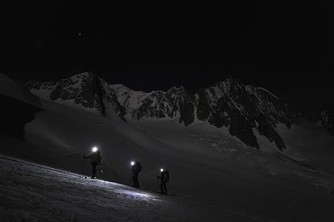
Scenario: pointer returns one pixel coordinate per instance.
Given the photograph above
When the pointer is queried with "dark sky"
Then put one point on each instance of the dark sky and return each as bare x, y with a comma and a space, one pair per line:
287, 48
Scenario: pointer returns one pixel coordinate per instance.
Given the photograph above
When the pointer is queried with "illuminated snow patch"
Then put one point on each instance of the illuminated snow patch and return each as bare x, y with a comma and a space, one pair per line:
137, 195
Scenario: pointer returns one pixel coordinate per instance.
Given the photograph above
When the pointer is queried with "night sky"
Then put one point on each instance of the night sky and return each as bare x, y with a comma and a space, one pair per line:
287, 48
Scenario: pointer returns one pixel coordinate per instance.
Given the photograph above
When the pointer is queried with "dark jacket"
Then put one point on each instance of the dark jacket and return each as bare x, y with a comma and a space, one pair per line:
164, 176
95, 157
136, 168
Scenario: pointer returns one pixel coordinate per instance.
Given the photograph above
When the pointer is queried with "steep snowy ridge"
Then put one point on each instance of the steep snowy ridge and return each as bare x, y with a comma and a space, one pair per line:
243, 109
229, 104
159, 104
127, 97
84, 89
156, 104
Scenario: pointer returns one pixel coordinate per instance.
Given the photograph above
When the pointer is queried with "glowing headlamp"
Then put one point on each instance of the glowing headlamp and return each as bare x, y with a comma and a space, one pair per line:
94, 149
132, 163
161, 170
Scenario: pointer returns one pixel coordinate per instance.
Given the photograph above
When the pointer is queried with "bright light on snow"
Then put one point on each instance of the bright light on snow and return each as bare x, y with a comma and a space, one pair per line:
137, 195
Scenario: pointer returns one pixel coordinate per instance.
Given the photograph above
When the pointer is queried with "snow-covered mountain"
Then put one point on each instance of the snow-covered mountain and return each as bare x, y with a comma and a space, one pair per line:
214, 175
242, 109
85, 89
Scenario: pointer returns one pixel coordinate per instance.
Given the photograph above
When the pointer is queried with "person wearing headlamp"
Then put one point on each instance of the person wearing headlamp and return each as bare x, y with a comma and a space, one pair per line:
95, 160
136, 168
164, 179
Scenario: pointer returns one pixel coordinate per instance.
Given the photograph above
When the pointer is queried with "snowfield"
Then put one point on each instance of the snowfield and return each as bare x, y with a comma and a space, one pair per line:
214, 176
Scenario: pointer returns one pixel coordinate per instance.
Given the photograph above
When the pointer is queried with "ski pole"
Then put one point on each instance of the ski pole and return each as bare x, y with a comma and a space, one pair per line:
101, 170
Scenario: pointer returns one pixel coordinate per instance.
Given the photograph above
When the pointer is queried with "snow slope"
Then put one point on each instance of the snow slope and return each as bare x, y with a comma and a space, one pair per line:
214, 176
32, 192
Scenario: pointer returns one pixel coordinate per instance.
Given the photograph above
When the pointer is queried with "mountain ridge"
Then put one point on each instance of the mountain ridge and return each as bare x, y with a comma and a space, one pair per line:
240, 108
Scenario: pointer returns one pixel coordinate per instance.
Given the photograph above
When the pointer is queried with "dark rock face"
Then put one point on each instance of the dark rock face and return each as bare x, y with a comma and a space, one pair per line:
109, 96
187, 111
88, 93
326, 119
203, 107
86, 89
229, 104
242, 109
161, 104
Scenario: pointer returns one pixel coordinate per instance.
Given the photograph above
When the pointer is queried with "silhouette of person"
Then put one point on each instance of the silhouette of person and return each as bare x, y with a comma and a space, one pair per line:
95, 160
164, 179
136, 168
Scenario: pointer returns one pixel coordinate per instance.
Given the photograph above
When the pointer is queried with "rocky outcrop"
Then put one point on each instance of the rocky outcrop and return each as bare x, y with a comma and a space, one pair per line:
85, 89
326, 119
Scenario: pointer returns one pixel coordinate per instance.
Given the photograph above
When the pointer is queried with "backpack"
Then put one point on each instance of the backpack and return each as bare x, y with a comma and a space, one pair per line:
166, 176
137, 167
99, 157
